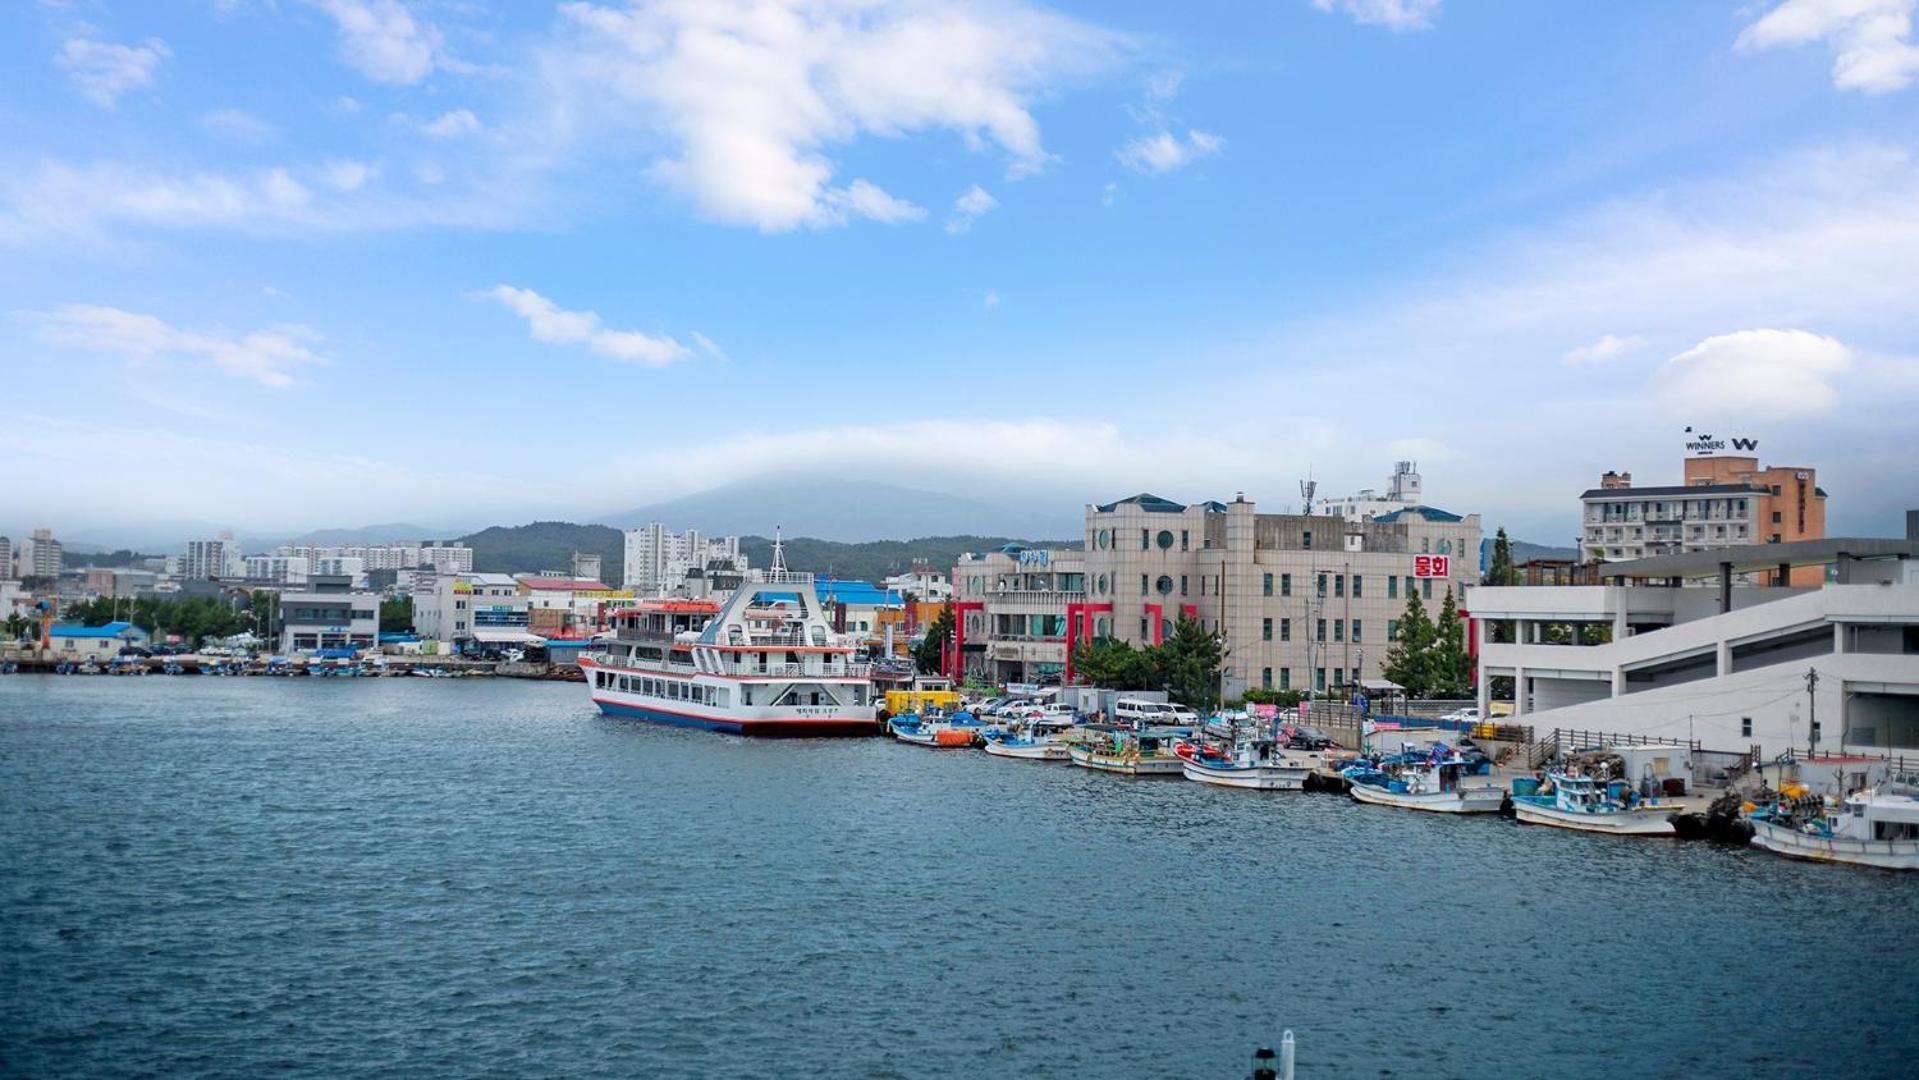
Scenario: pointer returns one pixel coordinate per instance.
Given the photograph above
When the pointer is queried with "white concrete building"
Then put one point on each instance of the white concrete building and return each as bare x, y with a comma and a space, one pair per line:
329, 614
452, 607
1732, 666
657, 562
1013, 606
923, 582
39, 555
211, 560
1402, 493
278, 569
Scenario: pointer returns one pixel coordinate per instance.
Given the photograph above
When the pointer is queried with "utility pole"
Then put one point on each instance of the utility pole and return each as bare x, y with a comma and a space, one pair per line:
1812, 711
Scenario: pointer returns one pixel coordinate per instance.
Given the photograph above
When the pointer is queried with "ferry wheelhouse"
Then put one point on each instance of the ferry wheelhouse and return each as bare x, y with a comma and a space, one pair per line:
764, 663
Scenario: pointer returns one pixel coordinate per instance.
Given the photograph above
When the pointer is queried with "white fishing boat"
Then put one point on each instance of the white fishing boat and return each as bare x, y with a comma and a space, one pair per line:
1249, 763
1875, 826
1591, 804
935, 730
1437, 784
1042, 738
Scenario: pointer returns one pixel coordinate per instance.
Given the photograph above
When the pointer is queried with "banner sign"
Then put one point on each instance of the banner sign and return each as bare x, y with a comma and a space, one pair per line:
1430, 566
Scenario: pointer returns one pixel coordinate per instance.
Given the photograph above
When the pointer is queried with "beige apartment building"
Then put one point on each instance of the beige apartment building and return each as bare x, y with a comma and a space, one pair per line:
1304, 601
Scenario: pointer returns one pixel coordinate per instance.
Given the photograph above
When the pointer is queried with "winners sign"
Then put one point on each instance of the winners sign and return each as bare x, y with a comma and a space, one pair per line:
1427, 566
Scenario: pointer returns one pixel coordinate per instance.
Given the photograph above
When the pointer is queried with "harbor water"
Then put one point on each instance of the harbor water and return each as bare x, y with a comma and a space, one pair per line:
342, 878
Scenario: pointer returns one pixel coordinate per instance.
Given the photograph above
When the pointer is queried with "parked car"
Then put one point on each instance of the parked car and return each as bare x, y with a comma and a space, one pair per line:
1307, 737
135, 650
1468, 715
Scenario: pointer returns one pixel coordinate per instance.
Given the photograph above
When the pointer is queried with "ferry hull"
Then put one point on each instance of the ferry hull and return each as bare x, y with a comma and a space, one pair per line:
1885, 854
797, 727
1255, 777
1469, 801
1653, 821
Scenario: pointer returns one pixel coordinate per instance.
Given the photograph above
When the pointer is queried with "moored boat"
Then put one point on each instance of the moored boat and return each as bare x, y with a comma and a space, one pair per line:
1434, 782
1875, 826
1041, 738
1591, 804
1128, 753
1248, 763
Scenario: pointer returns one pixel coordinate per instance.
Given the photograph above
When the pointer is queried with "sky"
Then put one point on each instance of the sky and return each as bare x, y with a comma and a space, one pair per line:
290, 264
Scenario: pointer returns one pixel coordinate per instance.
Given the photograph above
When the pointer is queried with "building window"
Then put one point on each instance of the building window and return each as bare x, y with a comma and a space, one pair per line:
1165, 585
1145, 539
1306, 540
1182, 539
1339, 585
1322, 586
1182, 584
1266, 678
1745, 727
1392, 629
1320, 632
1775, 517
1355, 629
1339, 676
1142, 585
1426, 588
1166, 540
1392, 587
1319, 680
1285, 629
1266, 585
1285, 678
1285, 584
1339, 629
1265, 629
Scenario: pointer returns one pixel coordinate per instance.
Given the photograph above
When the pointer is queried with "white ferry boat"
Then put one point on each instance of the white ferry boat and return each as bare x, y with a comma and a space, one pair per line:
764, 663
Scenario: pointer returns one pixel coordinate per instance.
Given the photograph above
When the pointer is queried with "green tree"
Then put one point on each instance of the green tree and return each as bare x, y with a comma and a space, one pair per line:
931, 651
1501, 571
1449, 668
1408, 662
1189, 663
396, 615
1115, 665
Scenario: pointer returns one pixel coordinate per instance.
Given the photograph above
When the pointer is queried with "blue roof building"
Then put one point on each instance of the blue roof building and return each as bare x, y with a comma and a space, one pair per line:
122, 631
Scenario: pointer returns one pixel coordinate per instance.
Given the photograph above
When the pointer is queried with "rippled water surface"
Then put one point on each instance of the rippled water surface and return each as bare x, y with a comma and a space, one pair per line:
236, 877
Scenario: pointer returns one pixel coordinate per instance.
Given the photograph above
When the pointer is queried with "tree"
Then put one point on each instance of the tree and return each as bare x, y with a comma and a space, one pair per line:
1501, 572
1189, 663
1115, 665
1450, 666
396, 615
1408, 662
930, 653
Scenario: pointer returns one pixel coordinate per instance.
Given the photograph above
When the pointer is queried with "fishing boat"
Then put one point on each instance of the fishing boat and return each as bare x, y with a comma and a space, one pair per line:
1874, 826
1246, 763
1041, 738
1592, 804
937, 730
1434, 781
1129, 753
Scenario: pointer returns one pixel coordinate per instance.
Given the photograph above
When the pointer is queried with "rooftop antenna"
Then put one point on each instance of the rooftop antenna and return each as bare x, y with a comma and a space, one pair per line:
1306, 489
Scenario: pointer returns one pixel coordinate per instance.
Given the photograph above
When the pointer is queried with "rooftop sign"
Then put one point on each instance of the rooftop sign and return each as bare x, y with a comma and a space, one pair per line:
1700, 444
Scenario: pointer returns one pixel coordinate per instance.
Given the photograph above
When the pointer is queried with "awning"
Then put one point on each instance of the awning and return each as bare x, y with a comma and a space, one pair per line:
507, 637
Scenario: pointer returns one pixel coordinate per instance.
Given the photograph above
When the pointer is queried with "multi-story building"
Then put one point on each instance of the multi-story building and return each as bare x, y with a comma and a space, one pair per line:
1833, 667
6, 558
560, 605
1725, 501
452, 607
211, 560
277, 569
657, 561
1402, 493
329, 614
1012, 604
1303, 601
446, 558
922, 582
408, 555
39, 556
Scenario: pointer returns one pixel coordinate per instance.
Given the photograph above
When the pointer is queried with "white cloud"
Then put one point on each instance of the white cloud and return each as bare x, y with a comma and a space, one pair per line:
60, 198
452, 125
991, 300
1608, 347
551, 323
968, 207
1164, 151
345, 105
1164, 85
236, 124
267, 356
1109, 194
348, 174
1870, 39
1762, 374
753, 94
707, 346
103, 70
383, 41
1396, 15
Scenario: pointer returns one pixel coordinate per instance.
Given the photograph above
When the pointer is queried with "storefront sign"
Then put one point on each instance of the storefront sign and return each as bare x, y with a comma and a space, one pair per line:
1425, 566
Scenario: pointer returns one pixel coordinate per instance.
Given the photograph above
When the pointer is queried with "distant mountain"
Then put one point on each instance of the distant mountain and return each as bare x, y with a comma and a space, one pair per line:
546, 545
1526, 552
849, 511
875, 559
367, 534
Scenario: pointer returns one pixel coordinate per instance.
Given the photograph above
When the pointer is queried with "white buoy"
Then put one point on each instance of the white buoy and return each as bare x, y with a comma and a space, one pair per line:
1286, 1055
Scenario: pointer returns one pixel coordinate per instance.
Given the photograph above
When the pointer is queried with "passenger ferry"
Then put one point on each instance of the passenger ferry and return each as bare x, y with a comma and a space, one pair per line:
764, 663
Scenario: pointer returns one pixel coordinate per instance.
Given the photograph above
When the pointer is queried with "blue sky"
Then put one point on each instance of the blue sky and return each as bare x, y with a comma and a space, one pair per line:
332, 262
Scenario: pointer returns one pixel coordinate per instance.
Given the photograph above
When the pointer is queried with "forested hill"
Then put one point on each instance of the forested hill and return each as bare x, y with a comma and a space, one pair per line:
549, 545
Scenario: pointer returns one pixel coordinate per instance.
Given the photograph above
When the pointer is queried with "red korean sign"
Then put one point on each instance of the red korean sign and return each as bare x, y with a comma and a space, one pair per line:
1432, 566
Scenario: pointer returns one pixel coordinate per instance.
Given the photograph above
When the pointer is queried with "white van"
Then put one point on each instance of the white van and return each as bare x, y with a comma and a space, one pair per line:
1134, 711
